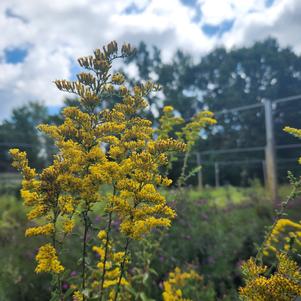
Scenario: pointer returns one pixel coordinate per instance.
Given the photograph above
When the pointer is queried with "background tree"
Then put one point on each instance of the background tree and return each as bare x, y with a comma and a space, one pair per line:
20, 131
228, 79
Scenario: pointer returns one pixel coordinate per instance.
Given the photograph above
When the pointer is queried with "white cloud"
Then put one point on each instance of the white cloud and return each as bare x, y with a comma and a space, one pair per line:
59, 31
216, 11
282, 21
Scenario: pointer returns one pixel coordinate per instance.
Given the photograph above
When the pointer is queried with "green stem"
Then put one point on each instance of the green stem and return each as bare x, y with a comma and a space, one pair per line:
183, 171
84, 251
109, 227
57, 285
279, 214
105, 255
122, 267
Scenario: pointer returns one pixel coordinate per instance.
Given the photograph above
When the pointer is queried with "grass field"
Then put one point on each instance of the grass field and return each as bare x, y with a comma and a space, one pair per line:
215, 229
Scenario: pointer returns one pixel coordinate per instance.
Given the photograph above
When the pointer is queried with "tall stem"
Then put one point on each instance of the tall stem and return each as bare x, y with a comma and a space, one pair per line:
105, 255
109, 227
279, 214
84, 251
57, 286
122, 267
183, 171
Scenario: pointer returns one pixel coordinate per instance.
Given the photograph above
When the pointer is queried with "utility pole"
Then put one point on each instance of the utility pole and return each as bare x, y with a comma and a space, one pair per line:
200, 173
270, 153
216, 172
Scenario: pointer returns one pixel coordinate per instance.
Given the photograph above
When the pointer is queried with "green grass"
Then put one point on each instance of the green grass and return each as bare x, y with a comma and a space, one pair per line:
215, 229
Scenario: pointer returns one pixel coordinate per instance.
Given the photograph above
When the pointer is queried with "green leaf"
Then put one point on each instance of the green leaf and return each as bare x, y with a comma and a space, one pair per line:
68, 292
145, 278
86, 292
145, 298
153, 271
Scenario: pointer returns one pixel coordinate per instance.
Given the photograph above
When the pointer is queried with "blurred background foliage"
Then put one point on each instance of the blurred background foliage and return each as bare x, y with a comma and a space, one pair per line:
215, 228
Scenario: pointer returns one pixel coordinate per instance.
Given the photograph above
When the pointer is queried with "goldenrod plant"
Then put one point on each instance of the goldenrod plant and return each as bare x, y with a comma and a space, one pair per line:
285, 235
284, 284
171, 125
189, 133
186, 286
114, 148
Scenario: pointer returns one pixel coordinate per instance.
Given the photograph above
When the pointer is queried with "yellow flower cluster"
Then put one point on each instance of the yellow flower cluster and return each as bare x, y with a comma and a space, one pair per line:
188, 133
45, 195
191, 130
294, 132
168, 121
47, 260
175, 283
77, 296
42, 193
109, 266
40, 230
283, 285
285, 231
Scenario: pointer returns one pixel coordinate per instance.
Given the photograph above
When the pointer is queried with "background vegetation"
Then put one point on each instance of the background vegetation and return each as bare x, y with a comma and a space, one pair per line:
216, 229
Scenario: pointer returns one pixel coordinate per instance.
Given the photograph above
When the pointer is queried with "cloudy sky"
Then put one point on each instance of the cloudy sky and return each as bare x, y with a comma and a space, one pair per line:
40, 39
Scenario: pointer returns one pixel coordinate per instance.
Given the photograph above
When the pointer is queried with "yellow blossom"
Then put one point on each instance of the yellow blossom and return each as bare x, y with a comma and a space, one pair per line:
283, 285
68, 225
77, 296
48, 260
176, 282
40, 230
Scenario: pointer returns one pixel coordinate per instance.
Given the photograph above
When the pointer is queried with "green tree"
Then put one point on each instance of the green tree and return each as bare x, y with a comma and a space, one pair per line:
228, 79
20, 131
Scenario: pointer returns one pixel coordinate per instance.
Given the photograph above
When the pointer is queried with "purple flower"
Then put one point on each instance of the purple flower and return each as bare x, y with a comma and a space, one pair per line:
65, 286
97, 219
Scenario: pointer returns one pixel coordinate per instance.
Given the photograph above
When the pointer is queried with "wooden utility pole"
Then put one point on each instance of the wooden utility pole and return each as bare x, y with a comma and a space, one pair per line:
216, 172
270, 153
200, 173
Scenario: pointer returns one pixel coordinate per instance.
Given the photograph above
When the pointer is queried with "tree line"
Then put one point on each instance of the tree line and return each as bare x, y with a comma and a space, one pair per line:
222, 79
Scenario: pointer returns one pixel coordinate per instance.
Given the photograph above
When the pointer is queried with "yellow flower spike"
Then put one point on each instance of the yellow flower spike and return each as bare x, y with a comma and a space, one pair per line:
40, 230
284, 230
293, 131
48, 260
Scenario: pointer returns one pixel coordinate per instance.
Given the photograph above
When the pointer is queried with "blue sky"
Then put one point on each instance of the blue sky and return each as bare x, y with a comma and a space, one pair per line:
15, 55
41, 40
